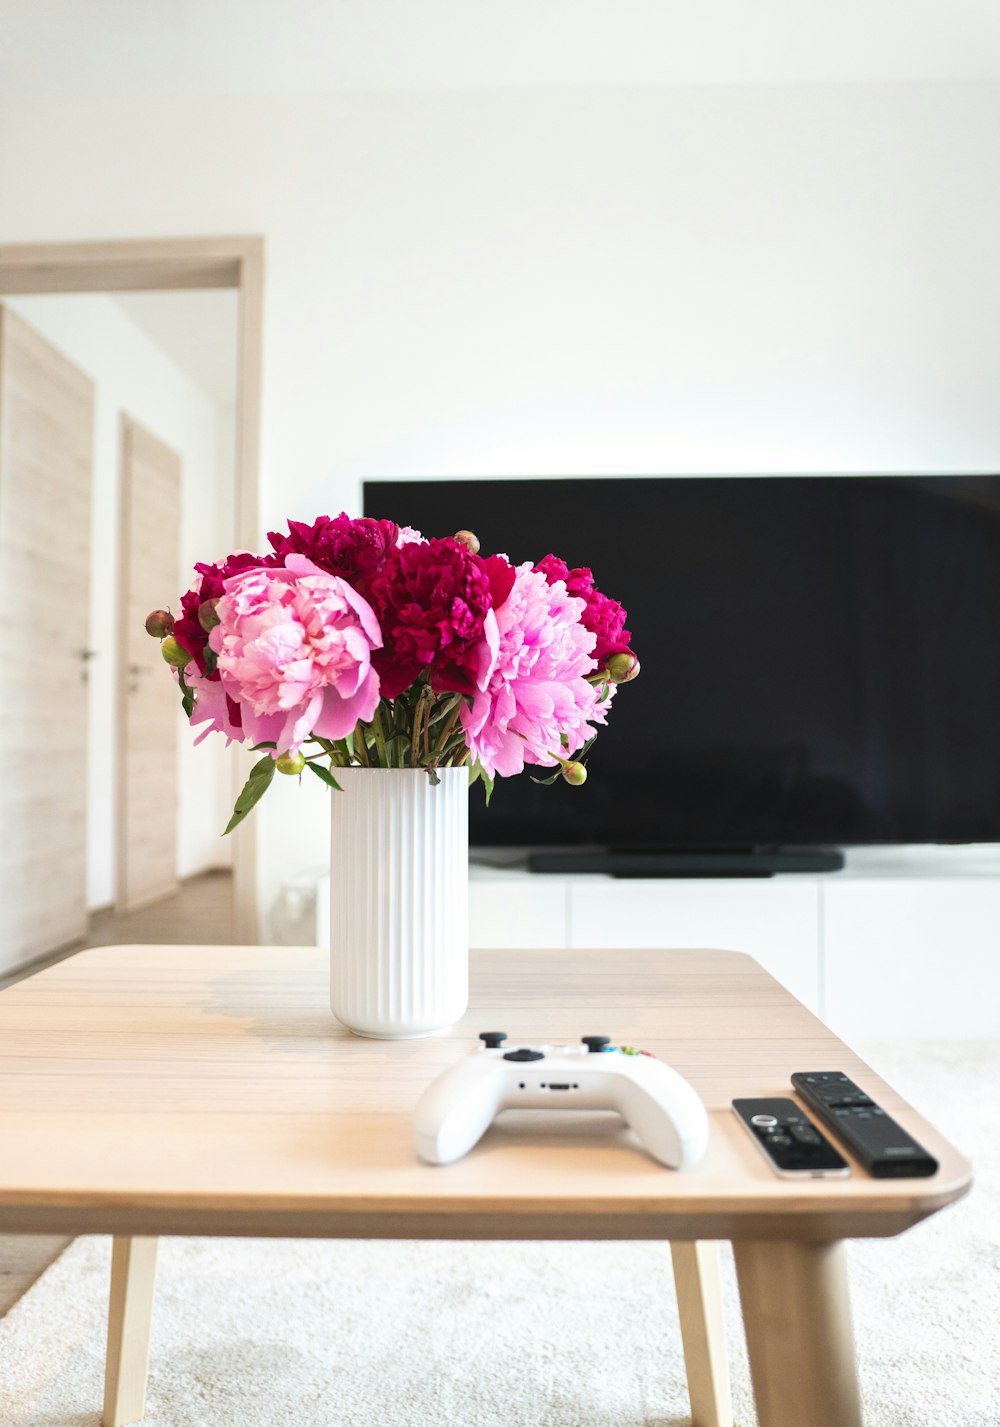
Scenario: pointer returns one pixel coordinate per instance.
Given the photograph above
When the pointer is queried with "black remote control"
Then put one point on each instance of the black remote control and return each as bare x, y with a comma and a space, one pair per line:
790, 1140
884, 1148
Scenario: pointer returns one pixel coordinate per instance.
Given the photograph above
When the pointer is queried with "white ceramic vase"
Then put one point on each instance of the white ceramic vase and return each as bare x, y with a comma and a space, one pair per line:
399, 901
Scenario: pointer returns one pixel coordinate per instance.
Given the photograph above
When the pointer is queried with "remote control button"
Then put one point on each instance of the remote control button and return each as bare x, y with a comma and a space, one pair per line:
803, 1134
492, 1039
523, 1054
765, 1122
596, 1043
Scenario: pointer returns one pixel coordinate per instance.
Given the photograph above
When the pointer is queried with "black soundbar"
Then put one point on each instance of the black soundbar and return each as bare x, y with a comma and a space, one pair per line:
688, 862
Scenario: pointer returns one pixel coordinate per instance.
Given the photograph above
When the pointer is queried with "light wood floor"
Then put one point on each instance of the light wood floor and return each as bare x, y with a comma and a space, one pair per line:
201, 912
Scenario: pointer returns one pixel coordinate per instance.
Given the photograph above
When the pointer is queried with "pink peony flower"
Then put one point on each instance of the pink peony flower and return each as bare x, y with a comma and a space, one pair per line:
435, 604
538, 706
604, 616
294, 649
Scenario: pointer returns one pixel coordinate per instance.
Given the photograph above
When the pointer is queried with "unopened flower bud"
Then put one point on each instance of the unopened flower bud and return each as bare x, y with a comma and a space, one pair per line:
575, 774
290, 763
207, 616
159, 623
622, 668
470, 541
175, 656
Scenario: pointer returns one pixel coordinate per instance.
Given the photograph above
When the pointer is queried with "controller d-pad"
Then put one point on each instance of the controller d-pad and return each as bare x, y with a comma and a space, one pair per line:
523, 1054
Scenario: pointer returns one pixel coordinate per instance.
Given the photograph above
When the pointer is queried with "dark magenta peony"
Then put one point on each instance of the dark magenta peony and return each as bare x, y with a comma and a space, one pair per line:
603, 616
579, 583
434, 601
501, 574
353, 549
606, 618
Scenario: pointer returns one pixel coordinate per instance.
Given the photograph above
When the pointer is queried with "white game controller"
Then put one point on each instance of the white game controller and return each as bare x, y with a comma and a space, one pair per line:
457, 1108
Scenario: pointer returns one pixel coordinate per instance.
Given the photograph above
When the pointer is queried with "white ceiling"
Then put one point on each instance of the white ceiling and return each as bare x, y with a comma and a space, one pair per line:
149, 49
197, 330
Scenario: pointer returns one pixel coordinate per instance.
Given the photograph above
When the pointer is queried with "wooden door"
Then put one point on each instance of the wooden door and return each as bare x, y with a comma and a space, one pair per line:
46, 465
149, 704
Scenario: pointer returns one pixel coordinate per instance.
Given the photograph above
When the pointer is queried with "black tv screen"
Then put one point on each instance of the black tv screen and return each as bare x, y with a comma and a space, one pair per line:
820, 655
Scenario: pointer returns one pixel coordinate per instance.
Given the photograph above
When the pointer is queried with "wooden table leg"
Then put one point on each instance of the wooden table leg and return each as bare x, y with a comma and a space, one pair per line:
130, 1314
797, 1320
703, 1332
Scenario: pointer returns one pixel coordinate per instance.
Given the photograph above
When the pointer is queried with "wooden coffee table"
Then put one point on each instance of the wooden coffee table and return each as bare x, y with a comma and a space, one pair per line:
150, 1090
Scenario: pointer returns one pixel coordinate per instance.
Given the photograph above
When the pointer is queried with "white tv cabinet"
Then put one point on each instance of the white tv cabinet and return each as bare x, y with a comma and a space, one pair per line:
904, 942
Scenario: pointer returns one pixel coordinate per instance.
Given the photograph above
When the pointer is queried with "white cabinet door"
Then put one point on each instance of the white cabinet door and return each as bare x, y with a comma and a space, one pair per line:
775, 920
517, 910
916, 957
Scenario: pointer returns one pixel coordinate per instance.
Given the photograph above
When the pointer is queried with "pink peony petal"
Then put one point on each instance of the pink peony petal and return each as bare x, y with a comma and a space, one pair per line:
338, 716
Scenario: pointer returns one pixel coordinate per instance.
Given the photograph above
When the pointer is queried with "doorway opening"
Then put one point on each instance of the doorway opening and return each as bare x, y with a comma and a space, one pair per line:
145, 275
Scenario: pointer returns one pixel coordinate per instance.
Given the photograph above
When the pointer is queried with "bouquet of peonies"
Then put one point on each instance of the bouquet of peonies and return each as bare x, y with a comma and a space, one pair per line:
357, 643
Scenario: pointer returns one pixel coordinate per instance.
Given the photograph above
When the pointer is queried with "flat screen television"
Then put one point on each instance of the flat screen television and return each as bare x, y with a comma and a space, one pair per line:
820, 657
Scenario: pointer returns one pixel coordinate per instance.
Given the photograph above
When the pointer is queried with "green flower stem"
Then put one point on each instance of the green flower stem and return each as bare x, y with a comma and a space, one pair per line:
361, 745
399, 732
380, 744
448, 729
418, 709
447, 733
456, 744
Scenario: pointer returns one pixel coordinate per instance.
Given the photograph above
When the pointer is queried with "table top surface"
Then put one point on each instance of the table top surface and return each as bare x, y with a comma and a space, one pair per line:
166, 1089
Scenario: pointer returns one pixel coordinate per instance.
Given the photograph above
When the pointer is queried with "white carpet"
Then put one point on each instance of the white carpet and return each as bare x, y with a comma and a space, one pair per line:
350, 1334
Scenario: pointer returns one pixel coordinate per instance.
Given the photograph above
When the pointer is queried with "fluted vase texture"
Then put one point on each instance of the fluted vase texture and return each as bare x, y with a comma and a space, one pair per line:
399, 901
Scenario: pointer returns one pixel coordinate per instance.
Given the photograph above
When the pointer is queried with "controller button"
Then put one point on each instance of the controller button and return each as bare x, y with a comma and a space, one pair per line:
523, 1054
596, 1043
492, 1039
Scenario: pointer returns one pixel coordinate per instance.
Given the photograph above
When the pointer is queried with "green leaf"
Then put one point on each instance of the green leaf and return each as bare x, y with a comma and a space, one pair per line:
252, 791
547, 782
432, 777
211, 659
488, 784
324, 775
256, 746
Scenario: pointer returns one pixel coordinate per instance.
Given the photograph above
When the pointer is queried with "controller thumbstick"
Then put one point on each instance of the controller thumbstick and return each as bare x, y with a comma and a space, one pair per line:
492, 1039
596, 1043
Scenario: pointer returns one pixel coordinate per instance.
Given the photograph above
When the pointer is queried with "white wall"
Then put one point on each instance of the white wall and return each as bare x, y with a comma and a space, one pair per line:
131, 374
756, 278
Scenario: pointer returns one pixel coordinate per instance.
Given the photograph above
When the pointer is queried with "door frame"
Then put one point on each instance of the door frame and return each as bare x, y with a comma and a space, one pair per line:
179, 264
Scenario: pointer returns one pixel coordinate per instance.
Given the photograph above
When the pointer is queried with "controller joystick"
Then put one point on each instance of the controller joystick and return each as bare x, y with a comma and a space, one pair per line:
492, 1039
456, 1109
